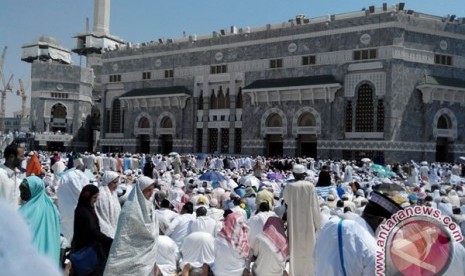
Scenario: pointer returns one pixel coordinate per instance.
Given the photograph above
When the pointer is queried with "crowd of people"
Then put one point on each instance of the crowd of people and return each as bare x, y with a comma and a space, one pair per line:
142, 214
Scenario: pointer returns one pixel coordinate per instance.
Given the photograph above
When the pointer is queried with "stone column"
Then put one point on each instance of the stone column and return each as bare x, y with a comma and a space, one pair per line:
206, 111
232, 116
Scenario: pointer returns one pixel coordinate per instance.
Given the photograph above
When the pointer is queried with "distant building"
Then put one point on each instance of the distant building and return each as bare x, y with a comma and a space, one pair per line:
384, 83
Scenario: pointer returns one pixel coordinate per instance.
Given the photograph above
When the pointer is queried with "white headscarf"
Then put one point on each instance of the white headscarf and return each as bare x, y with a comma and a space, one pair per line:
58, 167
107, 206
134, 248
108, 177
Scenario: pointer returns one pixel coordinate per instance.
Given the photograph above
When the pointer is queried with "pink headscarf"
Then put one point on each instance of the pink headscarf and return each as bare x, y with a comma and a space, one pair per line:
236, 231
275, 236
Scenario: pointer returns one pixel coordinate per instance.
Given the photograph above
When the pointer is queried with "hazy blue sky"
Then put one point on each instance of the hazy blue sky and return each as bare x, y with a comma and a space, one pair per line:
23, 21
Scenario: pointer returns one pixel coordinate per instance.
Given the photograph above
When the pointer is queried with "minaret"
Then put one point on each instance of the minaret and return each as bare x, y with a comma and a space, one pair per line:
92, 44
102, 17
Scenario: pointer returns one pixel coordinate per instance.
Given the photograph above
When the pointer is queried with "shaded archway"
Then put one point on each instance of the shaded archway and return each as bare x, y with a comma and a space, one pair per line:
58, 118
274, 142
306, 143
143, 143
442, 143
166, 137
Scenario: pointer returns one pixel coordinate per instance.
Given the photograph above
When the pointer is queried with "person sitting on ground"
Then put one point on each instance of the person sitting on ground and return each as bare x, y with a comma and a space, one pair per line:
271, 249
232, 247
203, 223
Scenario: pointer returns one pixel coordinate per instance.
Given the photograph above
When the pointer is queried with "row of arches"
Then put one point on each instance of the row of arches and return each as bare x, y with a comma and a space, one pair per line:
220, 99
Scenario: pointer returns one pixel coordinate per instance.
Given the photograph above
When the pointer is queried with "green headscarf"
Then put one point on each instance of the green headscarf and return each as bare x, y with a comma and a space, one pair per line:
43, 220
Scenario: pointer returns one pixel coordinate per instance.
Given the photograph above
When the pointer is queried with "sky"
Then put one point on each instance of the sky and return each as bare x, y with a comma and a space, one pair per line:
24, 21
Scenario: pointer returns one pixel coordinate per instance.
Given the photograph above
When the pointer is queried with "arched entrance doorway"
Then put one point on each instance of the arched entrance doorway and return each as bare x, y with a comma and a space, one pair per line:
143, 140
274, 142
306, 140
442, 143
58, 118
166, 136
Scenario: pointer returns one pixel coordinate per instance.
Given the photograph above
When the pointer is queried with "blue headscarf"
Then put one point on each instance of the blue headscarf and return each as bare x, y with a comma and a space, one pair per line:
43, 220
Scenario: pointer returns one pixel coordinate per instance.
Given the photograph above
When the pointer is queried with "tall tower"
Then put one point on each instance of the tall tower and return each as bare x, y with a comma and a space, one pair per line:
92, 44
102, 17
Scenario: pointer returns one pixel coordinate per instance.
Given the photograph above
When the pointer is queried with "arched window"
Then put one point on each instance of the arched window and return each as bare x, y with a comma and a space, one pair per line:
144, 123
59, 111
444, 122
364, 111
349, 116
239, 98
166, 123
306, 120
221, 99
274, 120
116, 116
213, 100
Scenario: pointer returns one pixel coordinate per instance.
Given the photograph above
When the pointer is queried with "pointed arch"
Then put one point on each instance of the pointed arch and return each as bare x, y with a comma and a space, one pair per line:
445, 124
271, 124
306, 121
166, 124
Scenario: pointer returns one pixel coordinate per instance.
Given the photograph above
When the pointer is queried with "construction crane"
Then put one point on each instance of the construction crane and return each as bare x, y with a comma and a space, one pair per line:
22, 93
7, 86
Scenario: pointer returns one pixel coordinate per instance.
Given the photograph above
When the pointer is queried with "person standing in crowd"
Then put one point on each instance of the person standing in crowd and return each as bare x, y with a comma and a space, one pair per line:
86, 227
107, 205
304, 220
33, 166
324, 178
42, 217
69, 188
134, 249
10, 175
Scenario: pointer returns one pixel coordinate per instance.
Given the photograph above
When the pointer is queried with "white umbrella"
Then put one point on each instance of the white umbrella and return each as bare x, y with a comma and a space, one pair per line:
424, 163
462, 158
366, 160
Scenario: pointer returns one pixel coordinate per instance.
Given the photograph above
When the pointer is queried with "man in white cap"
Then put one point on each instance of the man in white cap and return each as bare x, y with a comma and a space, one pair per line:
107, 206
304, 220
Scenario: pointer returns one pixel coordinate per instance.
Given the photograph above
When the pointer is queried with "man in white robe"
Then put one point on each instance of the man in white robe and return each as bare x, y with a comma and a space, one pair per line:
202, 223
107, 206
168, 255
10, 175
71, 183
165, 215
304, 220
198, 249
180, 226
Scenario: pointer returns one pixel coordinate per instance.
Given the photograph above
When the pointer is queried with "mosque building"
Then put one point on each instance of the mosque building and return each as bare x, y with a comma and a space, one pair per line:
384, 83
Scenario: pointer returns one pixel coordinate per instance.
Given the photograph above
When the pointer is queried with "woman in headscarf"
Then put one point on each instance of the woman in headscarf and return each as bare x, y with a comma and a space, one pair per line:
134, 249
42, 217
86, 227
33, 166
271, 249
232, 246
107, 206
